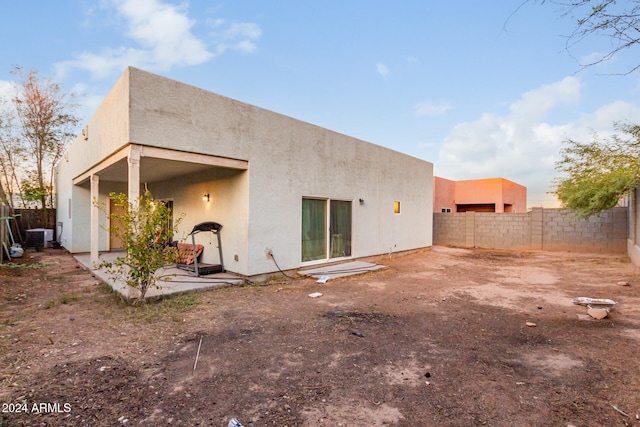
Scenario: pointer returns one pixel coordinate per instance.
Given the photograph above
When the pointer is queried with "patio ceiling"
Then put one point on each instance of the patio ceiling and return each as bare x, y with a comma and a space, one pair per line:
157, 164
151, 170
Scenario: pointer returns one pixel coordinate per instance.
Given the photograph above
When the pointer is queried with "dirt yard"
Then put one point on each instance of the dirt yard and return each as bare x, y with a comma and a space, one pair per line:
438, 338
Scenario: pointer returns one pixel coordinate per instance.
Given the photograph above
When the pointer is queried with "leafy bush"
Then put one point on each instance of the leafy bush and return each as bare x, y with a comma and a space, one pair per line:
146, 228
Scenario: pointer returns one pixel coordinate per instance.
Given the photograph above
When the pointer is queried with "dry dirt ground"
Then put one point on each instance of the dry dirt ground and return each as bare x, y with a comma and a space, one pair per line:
438, 338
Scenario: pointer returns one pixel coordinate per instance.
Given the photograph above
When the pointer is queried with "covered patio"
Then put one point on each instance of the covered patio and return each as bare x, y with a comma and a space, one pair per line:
137, 164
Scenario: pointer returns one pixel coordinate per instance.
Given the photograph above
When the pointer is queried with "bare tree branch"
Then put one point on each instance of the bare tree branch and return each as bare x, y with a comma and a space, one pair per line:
619, 21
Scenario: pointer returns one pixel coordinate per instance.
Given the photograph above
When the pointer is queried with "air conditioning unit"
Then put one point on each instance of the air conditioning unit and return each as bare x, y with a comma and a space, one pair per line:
39, 237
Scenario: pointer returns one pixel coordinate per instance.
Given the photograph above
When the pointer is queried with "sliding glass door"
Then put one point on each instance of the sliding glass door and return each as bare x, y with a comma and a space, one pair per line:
340, 229
326, 229
314, 229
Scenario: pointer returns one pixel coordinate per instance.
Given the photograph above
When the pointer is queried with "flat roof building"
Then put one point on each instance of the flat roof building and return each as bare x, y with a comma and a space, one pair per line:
479, 195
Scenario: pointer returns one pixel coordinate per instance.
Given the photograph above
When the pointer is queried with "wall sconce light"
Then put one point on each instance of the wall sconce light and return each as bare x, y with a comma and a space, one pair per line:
361, 201
205, 197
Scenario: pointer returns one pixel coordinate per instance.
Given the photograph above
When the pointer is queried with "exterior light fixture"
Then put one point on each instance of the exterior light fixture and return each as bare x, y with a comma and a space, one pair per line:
205, 197
361, 201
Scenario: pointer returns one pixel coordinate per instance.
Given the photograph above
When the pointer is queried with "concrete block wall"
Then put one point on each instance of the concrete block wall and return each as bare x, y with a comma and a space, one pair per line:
604, 233
450, 229
539, 229
502, 230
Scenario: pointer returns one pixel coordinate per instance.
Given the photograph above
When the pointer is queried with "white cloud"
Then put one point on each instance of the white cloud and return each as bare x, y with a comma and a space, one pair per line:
382, 69
535, 104
619, 111
7, 89
430, 109
592, 58
105, 63
522, 146
240, 36
162, 37
7, 92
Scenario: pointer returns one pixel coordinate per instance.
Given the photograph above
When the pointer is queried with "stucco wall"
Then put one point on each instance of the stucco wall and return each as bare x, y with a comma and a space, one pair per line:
105, 132
515, 195
477, 191
227, 188
540, 229
444, 194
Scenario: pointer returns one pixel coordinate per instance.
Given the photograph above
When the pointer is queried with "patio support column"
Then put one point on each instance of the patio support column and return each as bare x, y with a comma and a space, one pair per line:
134, 175
95, 213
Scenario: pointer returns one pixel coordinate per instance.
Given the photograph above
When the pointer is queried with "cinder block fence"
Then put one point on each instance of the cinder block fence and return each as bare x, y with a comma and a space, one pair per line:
539, 229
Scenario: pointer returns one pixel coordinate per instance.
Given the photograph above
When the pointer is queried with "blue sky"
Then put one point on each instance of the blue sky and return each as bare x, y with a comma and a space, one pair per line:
481, 89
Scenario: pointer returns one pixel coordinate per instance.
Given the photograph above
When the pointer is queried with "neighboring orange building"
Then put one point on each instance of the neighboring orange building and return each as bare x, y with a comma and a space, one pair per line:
479, 195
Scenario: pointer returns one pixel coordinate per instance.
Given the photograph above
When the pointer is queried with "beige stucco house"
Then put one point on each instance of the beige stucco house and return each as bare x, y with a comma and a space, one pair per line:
307, 194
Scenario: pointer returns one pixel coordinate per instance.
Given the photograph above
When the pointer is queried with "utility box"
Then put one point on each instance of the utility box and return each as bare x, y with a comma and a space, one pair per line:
39, 238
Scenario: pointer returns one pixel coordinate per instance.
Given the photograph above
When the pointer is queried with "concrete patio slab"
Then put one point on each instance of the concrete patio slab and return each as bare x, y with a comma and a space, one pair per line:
341, 270
172, 280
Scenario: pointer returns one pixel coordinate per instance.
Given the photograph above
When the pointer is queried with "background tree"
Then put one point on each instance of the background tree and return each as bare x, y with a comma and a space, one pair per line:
145, 228
12, 154
599, 173
46, 124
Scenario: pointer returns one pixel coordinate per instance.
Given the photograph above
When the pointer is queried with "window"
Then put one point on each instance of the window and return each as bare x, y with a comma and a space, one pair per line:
445, 210
396, 207
326, 229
